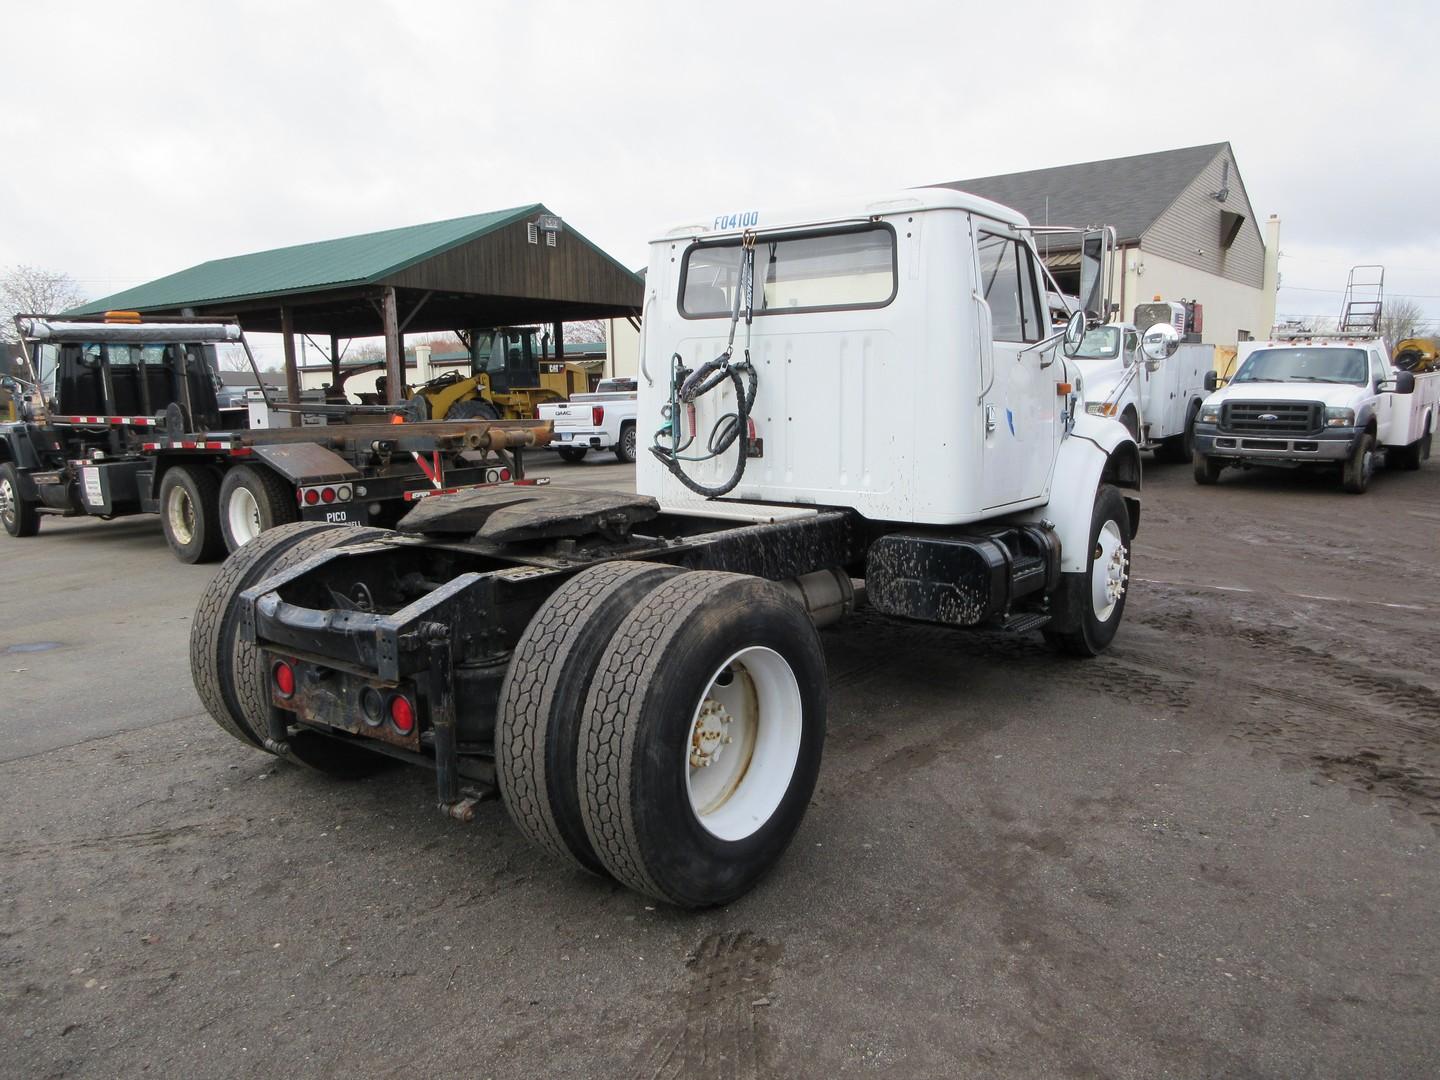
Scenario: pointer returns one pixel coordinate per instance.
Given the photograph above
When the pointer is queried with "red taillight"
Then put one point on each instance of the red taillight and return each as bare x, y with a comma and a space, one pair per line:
284, 676
402, 714
312, 497
328, 495
504, 475
597, 415
537, 412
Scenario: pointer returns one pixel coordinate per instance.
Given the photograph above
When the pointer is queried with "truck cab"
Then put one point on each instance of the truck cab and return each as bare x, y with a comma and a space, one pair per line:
1156, 399
1314, 400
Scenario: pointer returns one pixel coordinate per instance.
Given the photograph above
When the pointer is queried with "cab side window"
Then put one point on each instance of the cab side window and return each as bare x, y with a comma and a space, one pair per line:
1377, 367
1009, 284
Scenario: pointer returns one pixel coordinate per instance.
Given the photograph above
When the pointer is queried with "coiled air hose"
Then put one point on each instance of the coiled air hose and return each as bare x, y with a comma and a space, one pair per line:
687, 387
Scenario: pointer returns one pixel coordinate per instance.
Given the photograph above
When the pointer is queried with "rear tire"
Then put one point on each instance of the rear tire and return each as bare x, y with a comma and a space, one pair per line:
1359, 469
1180, 448
232, 675
702, 650
625, 448
250, 676
573, 453
190, 513
1088, 607
543, 697
252, 500
216, 623
1417, 453
17, 514
1207, 469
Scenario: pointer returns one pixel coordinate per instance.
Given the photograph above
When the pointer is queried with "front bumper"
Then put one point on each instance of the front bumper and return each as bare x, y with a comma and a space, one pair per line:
1332, 444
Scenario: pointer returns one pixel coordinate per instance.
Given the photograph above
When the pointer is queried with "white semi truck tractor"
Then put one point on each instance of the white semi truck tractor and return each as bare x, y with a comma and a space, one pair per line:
867, 391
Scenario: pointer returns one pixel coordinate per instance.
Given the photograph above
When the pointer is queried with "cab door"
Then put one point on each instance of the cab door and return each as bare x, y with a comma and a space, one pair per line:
1385, 426
1019, 407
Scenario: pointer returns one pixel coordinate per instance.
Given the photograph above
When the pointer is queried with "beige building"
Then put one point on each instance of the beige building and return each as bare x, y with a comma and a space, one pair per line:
1184, 223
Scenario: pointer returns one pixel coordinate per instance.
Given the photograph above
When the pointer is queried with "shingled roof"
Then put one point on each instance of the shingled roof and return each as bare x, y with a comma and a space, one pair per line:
1129, 193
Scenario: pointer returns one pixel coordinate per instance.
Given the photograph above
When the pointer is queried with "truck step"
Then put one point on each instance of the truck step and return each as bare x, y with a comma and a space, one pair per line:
1022, 622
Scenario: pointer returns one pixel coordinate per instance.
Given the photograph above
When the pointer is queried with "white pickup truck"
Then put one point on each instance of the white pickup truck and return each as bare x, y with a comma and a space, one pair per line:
604, 420
1317, 399
1156, 400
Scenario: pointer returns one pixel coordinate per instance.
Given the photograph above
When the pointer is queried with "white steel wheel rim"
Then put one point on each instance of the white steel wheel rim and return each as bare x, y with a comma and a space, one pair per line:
243, 513
180, 513
1110, 572
7, 500
743, 743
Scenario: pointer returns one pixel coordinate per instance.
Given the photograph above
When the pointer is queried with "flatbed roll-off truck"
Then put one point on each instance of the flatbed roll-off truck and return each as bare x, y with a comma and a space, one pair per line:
120, 416
639, 677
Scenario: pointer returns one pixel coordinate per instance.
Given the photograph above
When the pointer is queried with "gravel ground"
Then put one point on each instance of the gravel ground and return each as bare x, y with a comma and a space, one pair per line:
1211, 852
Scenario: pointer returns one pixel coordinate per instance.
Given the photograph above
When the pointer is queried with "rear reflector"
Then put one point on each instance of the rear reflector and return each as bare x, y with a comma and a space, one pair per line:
284, 676
402, 714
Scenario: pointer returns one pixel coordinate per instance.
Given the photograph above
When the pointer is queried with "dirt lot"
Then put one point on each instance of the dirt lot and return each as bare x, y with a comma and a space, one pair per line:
1212, 852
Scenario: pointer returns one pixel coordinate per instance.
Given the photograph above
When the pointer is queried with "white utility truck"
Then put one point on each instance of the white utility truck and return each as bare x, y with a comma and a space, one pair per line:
640, 675
604, 420
1312, 399
1156, 400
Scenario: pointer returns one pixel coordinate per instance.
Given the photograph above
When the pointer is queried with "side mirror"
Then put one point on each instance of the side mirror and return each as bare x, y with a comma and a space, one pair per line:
1074, 334
1160, 342
1096, 248
1212, 381
1404, 382
7, 383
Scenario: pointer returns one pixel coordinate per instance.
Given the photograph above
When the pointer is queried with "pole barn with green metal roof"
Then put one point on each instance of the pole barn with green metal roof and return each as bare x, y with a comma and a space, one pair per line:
506, 268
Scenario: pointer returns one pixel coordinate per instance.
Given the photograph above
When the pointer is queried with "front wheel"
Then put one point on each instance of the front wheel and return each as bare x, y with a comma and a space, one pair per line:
573, 453
1207, 469
17, 514
701, 737
1359, 468
1088, 607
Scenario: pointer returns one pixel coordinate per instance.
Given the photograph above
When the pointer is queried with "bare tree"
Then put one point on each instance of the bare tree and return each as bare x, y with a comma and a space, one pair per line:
1402, 319
32, 290
584, 332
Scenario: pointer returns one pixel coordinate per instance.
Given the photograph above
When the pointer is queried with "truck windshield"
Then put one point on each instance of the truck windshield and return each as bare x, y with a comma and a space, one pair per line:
1102, 342
1303, 365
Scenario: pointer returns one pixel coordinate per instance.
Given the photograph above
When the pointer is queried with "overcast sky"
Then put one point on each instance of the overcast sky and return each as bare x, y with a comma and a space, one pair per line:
145, 137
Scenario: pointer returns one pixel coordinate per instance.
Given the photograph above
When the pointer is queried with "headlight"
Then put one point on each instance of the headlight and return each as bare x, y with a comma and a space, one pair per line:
1209, 414
1100, 408
1339, 417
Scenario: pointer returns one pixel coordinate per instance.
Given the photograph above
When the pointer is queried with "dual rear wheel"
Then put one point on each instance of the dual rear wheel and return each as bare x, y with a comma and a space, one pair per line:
664, 727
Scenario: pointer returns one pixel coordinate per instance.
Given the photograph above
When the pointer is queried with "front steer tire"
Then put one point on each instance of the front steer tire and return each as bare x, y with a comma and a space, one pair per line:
702, 647
190, 513
19, 516
1359, 468
1207, 469
1080, 626
543, 696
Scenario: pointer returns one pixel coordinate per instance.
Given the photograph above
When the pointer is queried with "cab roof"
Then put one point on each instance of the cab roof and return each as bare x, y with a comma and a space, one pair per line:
844, 211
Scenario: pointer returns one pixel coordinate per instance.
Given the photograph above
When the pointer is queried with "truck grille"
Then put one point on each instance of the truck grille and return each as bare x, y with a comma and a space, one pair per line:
1271, 417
